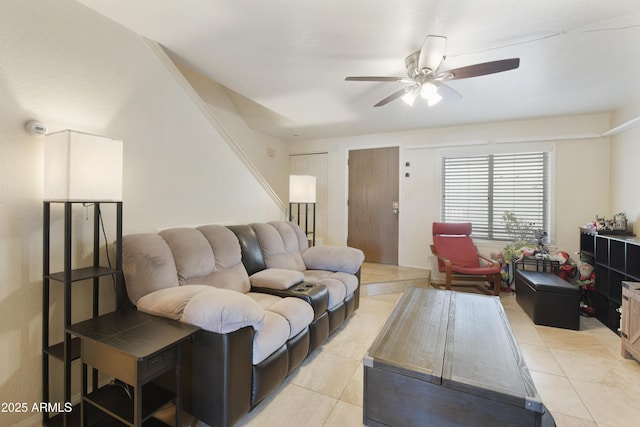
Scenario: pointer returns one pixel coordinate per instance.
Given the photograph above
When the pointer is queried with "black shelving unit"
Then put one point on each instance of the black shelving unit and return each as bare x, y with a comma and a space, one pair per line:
616, 258
68, 349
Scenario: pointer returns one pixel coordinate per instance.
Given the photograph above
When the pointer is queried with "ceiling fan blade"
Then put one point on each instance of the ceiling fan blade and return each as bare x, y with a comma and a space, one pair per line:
393, 96
483, 69
375, 79
432, 53
448, 93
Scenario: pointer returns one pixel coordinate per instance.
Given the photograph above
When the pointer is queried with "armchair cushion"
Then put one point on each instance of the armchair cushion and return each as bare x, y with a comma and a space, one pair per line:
454, 248
276, 278
460, 250
333, 258
483, 271
212, 309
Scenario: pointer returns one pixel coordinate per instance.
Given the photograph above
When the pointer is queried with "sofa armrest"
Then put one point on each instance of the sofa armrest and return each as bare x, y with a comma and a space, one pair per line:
333, 258
212, 309
276, 278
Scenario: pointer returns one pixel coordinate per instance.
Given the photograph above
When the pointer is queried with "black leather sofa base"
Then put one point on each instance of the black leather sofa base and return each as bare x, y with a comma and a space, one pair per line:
547, 299
219, 365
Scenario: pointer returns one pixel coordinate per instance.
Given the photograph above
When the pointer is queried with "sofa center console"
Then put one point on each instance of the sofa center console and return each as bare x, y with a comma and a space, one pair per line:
314, 294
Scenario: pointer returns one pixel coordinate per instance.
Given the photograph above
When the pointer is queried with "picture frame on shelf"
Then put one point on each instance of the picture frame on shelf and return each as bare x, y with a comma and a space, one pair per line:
620, 221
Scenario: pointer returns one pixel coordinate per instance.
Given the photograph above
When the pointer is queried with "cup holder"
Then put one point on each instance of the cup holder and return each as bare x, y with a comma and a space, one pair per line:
304, 287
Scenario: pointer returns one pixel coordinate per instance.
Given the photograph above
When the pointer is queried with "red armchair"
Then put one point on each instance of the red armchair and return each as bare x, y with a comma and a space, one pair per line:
458, 258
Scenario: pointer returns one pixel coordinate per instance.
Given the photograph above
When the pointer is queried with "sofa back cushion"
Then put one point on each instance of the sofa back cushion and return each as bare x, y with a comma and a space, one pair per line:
282, 244
147, 264
208, 255
251, 252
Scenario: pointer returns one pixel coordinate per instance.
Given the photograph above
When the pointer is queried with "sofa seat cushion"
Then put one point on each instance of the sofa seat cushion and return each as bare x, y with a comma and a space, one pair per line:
276, 278
297, 312
333, 258
273, 335
265, 300
212, 309
340, 285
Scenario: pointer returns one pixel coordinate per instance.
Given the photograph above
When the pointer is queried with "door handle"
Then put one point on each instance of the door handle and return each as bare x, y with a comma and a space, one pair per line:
395, 208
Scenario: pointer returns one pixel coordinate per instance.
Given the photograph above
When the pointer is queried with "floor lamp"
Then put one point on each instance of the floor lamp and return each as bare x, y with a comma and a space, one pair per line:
302, 191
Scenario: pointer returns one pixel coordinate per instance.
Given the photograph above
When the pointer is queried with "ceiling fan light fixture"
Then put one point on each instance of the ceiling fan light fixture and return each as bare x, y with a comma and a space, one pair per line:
429, 92
434, 99
428, 89
411, 95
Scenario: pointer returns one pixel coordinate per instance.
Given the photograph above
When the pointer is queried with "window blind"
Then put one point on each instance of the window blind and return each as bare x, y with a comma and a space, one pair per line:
480, 189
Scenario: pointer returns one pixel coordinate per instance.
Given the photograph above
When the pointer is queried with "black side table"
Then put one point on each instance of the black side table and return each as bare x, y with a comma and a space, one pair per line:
134, 348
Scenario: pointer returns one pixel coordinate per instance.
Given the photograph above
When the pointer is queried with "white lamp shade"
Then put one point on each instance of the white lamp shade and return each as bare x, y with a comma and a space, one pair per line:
82, 167
302, 189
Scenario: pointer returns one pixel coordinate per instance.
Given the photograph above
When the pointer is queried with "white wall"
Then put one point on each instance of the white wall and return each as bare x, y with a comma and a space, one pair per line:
625, 162
71, 68
581, 176
269, 155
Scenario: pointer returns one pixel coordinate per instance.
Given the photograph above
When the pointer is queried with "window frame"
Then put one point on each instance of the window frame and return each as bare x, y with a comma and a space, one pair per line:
502, 149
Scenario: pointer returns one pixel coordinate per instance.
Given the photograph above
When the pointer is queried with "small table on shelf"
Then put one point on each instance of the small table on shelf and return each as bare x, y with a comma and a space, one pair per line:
134, 348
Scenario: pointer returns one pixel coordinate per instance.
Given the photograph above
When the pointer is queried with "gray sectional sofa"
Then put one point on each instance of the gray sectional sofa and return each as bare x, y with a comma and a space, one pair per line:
262, 297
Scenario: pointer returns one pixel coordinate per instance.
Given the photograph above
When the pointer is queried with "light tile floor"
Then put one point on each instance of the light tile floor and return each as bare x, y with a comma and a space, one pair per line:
580, 375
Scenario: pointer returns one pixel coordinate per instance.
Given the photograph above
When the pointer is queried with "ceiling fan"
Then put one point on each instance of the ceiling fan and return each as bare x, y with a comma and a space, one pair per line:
425, 77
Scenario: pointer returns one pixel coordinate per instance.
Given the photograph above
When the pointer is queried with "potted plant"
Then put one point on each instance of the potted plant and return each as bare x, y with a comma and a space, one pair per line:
522, 237
521, 234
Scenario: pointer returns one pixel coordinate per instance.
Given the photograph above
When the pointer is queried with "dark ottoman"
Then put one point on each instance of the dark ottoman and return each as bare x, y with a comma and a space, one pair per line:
548, 300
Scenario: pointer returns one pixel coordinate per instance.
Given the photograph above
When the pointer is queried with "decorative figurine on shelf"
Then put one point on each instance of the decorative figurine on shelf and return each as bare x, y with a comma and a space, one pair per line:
620, 221
540, 235
603, 223
586, 282
617, 223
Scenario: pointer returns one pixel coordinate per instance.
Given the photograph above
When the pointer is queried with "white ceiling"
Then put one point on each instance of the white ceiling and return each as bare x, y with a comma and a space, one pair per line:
291, 57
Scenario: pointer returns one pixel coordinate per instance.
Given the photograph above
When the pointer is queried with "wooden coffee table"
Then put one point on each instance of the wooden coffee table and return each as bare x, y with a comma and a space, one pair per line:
448, 358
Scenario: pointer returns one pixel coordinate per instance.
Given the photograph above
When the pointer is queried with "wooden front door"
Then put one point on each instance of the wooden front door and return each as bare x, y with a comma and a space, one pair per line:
373, 203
